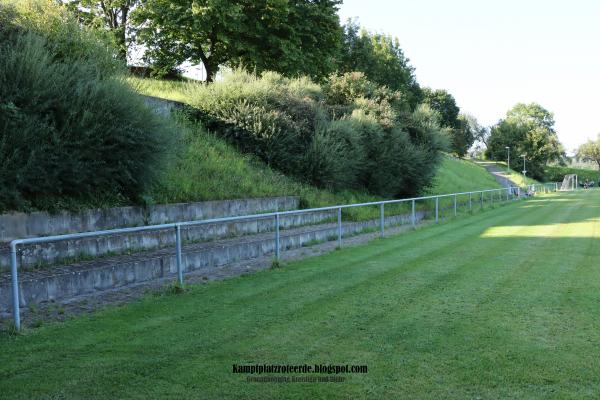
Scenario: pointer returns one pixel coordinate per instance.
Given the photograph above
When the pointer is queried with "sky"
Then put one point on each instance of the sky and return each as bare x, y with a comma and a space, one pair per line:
491, 55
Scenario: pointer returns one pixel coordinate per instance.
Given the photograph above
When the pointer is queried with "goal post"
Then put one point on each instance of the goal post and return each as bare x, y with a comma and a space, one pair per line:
569, 182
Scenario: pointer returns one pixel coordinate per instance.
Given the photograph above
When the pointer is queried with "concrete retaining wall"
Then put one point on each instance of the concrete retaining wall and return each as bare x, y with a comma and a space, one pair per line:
72, 281
52, 253
21, 225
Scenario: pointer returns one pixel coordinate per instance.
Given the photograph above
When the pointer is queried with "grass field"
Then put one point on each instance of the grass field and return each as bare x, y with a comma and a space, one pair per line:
502, 304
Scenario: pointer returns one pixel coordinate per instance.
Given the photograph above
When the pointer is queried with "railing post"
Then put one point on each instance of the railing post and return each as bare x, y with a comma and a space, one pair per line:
414, 215
15, 286
482, 200
470, 201
178, 254
277, 237
382, 219
437, 208
340, 227
455, 205
492, 199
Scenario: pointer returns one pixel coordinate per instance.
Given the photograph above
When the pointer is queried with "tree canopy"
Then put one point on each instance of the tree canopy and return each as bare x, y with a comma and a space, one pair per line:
291, 37
381, 59
590, 151
110, 14
528, 129
462, 129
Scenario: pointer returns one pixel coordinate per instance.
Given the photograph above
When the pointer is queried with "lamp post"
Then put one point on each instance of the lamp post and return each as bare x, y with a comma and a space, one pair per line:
508, 159
524, 169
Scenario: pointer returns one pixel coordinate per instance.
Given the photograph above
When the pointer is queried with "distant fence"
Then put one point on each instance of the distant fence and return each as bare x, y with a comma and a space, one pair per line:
451, 202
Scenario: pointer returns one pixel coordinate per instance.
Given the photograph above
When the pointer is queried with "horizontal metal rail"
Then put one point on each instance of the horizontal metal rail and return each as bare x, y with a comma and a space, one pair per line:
510, 191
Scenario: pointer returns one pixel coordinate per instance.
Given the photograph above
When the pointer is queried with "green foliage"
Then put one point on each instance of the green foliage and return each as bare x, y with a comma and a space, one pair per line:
444, 103
459, 128
291, 37
352, 134
463, 136
70, 128
590, 151
205, 167
65, 39
381, 59
112, 15
528, 129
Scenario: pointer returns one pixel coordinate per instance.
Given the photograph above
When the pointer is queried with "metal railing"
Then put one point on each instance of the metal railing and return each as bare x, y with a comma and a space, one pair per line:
513, 192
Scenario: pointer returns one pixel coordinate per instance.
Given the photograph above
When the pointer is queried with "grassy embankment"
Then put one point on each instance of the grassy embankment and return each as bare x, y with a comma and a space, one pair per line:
210, 169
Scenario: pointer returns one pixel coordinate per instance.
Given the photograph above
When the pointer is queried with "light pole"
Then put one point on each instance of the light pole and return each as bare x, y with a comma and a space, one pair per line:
508, 159
524, 169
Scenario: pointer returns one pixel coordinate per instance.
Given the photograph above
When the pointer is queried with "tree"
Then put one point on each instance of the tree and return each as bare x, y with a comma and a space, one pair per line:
445, 104
381, 59
110, 14
590, 151
462, 136
461, 128
291, 37
302, 37
480, 133
528, 129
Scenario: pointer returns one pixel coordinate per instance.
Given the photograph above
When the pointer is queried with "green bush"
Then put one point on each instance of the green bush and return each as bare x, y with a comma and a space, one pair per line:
70, 129
348, 134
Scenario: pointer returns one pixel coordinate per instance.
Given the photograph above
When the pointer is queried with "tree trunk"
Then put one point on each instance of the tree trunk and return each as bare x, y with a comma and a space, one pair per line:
120, 33
210, 69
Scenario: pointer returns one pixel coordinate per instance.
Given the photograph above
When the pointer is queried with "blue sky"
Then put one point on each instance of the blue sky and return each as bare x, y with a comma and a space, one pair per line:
493, 54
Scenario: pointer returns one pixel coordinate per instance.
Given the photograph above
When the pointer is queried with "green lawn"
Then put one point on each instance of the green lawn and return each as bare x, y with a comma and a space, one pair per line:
502, 304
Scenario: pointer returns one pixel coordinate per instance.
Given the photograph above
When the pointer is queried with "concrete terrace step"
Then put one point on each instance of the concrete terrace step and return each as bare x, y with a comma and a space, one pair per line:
21, 225
47, 254
86, 278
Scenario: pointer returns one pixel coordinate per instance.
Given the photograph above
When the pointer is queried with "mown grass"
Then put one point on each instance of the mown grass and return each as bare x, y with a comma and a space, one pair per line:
499, 305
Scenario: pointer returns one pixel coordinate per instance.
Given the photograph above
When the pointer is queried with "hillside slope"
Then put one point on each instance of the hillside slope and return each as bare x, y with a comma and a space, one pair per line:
209, 168
461, 176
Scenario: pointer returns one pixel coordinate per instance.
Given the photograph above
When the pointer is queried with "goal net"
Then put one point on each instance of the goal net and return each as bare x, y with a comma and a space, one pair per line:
569, 182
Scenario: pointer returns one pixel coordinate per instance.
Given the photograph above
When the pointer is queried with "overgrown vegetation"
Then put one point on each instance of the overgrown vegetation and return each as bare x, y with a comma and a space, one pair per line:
71, 129
346, 134
208, 168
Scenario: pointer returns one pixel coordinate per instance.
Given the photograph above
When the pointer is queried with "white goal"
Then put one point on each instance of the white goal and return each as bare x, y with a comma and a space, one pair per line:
569, 182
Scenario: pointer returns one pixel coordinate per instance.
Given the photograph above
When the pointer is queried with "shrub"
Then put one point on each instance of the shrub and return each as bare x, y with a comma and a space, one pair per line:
350, 134
69, 128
